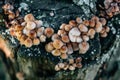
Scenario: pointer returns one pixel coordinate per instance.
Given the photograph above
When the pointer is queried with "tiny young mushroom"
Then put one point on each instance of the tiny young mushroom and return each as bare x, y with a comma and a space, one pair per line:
48, 32
36, 41
49, 47
84, 47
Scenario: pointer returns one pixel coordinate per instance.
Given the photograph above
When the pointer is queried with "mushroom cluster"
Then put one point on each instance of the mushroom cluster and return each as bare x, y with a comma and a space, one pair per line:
30, 32
9, 10
72, 64
75, 36
111, 8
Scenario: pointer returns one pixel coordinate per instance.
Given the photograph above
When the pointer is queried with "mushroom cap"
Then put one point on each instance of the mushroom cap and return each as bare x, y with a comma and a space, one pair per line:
92, 23
71, 68
29, 17
56, 52
42, 38
63, 49
48, 32
55, 36
78, 20
65, 38
62, 26
68, 27
57, 68
30, 25
28, 42
26, 31
84, 46
86, 22
98, 26
103, 21
104, 34
70, 49
39, 23
64, 56
40, 31
36, 41
49, 47
85, 37
75, 46
75, 31
57, 44
83, 28
32, 34
73, 23
61, 32
91, 33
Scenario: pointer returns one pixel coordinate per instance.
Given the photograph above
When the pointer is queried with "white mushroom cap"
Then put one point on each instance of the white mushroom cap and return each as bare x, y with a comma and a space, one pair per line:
79, 39
30, 25
26, 31
39, 23
74, 31
40, 31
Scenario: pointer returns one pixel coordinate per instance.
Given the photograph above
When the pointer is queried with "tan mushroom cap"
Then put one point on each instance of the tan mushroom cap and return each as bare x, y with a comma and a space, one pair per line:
63, 26
91, 33
57, 44
68, 27
98, 26
55, 36
63, 49
83, 28
32, 34
29, 17
64, 56
48, 32
78, 20
28, 42
73, 23
92, 23
84, 47
57, 68
36, 41
56, 52
86, 22
65, 38
49, 47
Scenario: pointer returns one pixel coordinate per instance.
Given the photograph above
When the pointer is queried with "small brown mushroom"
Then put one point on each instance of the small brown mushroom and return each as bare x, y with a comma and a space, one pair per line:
65, 38
84, 47
49, 47
57, 44
48, 32
36, 41
42, 38
28, 42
